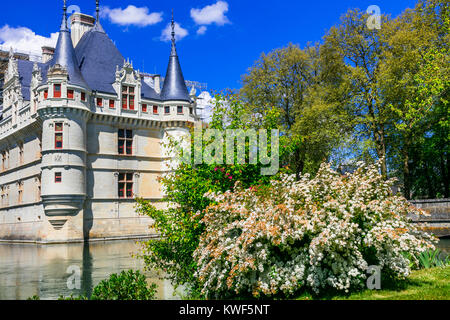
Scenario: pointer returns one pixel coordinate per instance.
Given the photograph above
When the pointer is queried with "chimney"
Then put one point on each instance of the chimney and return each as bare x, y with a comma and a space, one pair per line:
47, 54
157, 83
80, 24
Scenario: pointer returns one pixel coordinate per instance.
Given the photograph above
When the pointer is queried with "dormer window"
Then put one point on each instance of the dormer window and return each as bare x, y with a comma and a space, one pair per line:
128, 98
57, 91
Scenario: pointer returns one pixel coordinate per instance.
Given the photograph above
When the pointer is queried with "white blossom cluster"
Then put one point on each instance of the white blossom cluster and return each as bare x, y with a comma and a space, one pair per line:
317, 234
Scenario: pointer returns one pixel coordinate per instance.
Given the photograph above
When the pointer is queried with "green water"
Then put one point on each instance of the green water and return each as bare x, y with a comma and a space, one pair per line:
28, 270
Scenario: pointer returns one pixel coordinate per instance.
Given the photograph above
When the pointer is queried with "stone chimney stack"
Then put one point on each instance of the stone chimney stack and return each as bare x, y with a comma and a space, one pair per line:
47, 54
80, 24
157, 83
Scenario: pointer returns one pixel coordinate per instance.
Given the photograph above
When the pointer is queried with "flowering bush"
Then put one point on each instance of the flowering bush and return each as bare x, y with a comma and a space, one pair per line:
318, 234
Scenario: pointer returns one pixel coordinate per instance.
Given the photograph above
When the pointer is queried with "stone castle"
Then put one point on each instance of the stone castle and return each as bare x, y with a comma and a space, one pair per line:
80, 138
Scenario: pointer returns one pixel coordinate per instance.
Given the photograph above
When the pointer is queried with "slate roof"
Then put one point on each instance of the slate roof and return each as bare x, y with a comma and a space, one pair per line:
98, 58
25, 69
66, 57
148, 92
174, 87
92, 64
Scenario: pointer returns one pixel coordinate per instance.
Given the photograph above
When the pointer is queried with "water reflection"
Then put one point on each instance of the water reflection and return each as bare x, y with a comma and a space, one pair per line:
28, 270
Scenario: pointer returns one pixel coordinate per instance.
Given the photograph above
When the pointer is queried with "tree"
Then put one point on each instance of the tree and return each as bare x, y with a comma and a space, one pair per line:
361, 49
417, 71
178, 225
297, 83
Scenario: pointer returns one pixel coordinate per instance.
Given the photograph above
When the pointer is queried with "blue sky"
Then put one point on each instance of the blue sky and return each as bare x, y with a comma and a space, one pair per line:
222, 39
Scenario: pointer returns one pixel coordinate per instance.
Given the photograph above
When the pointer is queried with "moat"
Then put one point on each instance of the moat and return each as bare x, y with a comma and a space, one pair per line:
28, 270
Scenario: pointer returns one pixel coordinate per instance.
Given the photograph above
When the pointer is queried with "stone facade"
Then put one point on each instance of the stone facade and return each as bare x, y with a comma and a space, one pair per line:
73, 159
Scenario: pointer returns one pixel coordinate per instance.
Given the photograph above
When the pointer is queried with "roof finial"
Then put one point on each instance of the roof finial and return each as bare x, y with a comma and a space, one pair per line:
64, 21
174, 52
97, 3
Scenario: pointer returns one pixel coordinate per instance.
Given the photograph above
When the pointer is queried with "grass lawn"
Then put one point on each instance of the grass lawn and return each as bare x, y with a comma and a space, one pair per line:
426, 284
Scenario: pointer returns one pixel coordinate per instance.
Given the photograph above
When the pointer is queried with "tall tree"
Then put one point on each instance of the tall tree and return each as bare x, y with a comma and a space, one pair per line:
296, 82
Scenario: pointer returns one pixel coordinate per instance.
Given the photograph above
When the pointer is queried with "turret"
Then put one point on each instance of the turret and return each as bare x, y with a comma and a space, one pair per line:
64, 111
174, 88
178, 106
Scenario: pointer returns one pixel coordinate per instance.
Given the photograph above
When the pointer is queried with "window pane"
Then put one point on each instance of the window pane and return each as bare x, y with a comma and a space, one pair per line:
167, 110
131, 90
111, 104
121, 176
180, 109
57, 91
124, 101
125, 89
155, 109
58, 126
129, 190
129, 147
129, 177
121, 190
58, 140
121, 133
70, 94
121, 147
131, 102
129, 134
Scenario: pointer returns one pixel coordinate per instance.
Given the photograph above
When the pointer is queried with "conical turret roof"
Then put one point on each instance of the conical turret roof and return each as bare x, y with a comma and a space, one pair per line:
174, 87
65, 54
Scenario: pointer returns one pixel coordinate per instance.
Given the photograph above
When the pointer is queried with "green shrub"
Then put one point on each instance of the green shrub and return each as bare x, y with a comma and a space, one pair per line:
433, 258
179, 225
130, 285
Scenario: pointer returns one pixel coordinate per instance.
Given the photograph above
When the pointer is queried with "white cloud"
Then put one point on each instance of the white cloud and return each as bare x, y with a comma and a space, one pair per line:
214, 13
131, 16
202, 30
180, 32
25, 40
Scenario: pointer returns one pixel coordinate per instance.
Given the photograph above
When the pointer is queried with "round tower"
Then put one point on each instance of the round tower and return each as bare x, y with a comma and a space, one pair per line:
179, 107
64, 112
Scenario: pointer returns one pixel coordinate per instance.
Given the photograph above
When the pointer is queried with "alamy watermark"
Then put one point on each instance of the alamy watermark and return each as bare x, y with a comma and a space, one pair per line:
374, 280
74, 280
374, 19
213, 146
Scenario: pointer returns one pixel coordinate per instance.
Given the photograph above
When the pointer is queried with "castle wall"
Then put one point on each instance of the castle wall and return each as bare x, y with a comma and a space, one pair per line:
106, 215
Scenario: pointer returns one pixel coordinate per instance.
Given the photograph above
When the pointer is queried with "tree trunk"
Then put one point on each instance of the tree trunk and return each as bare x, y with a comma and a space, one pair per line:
445, 174
406, 174
380, 146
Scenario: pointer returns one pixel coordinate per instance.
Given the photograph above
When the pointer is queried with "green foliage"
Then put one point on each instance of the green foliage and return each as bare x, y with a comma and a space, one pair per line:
73, 298
179, 224
299, 91
130, 285
432, 259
